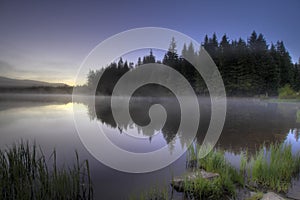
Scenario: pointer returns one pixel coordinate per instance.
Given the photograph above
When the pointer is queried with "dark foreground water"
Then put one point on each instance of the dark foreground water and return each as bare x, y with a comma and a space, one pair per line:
48, 120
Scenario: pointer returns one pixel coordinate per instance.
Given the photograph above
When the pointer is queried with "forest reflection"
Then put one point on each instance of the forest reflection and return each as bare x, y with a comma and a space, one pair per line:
249, 123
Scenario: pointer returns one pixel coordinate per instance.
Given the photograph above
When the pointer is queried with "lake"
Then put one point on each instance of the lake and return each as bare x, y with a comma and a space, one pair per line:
49, 121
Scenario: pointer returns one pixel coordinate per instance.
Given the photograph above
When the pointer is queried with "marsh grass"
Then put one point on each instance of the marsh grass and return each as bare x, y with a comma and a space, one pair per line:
274, 168
270, 168
218, 188
192, 156
24, 174
244, 166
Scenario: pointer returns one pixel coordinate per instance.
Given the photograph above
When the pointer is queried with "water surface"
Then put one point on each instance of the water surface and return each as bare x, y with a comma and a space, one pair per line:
48, 120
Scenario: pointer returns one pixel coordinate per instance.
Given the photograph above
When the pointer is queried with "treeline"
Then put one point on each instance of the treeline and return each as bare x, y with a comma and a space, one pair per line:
252, 67
248, 68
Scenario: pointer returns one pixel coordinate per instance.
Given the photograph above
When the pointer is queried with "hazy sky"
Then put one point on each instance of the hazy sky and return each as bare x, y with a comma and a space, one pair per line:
48, 40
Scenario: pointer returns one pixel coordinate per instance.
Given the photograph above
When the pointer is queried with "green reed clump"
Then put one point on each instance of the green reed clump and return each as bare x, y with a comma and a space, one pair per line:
244, 167
192, 156
219, 188
24, 174
274, 168
222, 187
215, 161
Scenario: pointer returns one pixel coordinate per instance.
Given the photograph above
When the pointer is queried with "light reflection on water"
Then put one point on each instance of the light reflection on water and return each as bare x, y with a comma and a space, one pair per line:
49, 121
293, 137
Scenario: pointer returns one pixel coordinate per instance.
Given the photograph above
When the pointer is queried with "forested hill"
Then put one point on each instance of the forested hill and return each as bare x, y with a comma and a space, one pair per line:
248, 68
9, 85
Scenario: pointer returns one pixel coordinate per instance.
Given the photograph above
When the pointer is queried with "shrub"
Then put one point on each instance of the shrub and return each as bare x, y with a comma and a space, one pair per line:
287, 92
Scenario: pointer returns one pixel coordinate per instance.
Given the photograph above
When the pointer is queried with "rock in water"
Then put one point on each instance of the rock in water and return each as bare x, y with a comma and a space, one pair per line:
272, 196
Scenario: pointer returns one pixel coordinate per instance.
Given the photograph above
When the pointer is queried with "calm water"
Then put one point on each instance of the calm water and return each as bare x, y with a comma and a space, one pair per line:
48, 120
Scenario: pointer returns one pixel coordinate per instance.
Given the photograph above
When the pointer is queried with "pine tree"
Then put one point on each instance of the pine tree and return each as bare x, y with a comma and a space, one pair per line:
273, 78
296, 77
224, 57
243, 69
211, 46
171, 57
252, 41
285, 64
120, 63
259, 61
150, 58
139, 61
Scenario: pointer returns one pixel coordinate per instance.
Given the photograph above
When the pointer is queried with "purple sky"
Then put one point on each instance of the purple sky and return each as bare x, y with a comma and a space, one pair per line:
49, 40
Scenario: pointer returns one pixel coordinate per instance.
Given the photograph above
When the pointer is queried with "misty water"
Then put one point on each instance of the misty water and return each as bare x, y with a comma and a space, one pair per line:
48, 120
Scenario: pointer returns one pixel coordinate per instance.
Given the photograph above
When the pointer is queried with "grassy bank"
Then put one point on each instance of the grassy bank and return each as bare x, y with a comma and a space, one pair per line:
283, 100
25, 173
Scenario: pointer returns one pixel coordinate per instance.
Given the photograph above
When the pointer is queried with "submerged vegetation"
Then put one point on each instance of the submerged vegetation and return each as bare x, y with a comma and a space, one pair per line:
153, 194
24, 174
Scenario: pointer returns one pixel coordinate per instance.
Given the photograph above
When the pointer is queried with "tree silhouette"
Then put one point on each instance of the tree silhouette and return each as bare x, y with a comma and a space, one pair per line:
247, 68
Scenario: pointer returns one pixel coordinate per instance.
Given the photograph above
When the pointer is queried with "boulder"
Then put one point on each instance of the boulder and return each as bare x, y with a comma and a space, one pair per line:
272, 196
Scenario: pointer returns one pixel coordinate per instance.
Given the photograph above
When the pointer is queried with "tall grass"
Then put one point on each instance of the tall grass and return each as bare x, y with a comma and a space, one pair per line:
215, 161
218, 188
274, 168
192, 156
24, 174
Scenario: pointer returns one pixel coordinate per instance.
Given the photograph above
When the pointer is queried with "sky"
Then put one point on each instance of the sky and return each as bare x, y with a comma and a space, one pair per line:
48, 40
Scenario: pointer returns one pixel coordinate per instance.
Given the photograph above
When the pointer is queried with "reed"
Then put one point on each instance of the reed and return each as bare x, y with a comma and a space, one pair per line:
24, 174
274, 167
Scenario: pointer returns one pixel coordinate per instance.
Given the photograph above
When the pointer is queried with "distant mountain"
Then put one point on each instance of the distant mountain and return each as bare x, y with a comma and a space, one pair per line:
17, 83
